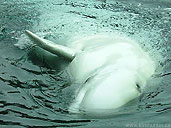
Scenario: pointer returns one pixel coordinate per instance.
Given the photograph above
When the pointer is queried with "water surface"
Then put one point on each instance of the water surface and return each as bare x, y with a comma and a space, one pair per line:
34, 94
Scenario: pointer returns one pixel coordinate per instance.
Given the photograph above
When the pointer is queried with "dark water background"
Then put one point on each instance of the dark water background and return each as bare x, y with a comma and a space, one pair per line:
34, 94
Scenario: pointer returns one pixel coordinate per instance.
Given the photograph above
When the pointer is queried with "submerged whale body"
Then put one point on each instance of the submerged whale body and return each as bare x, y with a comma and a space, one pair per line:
110, 70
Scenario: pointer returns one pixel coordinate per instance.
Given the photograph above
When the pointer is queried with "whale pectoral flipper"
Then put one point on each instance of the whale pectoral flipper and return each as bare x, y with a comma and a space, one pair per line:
51, 47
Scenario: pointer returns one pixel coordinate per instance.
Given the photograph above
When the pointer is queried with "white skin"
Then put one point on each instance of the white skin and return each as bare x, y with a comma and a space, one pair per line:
111, 70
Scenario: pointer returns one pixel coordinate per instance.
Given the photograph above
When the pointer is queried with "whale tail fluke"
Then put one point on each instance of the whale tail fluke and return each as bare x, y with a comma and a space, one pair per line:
51, 47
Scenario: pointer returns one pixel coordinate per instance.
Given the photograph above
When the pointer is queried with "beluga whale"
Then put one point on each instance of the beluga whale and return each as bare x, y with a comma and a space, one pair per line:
111, 70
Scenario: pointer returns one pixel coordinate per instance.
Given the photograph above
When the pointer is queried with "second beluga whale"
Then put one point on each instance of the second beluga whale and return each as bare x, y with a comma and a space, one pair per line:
111, 70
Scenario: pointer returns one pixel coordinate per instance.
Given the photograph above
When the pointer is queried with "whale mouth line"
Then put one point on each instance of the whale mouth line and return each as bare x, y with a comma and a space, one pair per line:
104, 112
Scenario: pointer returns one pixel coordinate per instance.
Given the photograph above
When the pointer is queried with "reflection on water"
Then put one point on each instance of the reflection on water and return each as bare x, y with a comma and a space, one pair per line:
34, 93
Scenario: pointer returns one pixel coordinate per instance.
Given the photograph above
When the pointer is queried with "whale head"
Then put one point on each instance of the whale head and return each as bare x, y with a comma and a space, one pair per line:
110, 75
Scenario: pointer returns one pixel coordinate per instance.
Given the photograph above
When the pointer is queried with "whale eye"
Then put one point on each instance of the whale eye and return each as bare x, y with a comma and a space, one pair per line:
138, 87
89, 79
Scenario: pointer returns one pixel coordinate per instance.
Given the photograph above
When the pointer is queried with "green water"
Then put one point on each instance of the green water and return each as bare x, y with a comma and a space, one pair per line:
34, 94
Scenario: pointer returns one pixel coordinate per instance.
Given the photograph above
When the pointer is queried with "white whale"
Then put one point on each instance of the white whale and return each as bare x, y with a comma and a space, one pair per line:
110, 70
